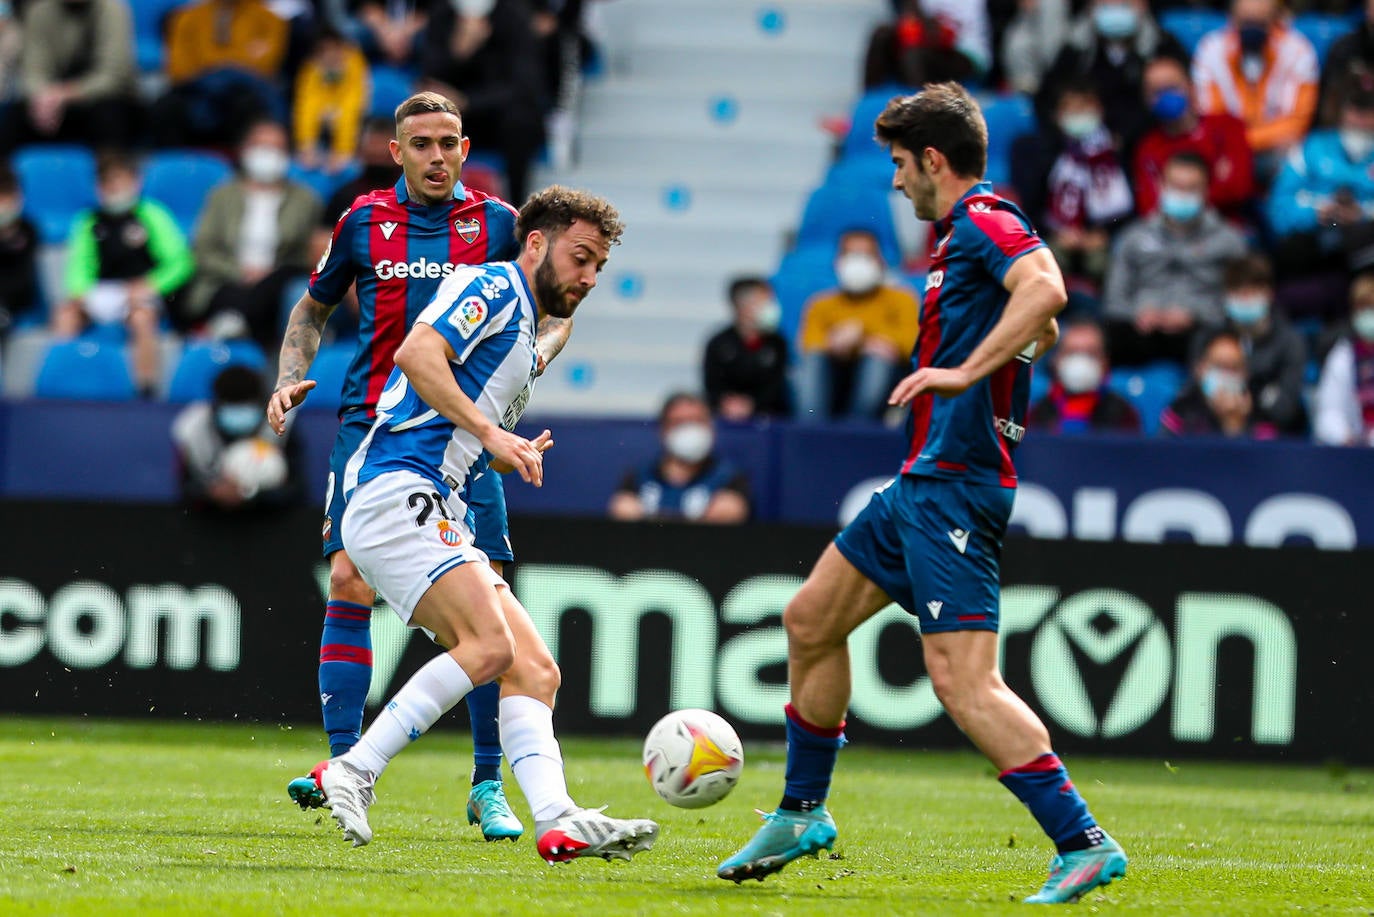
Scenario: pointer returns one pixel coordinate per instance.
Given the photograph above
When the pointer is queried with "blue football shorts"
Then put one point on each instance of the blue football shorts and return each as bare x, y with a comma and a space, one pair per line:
934, 545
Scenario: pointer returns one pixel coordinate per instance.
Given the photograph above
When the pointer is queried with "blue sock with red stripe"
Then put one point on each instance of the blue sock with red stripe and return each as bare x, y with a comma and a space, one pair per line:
345, 672
1045, 788
811, 754
484, 710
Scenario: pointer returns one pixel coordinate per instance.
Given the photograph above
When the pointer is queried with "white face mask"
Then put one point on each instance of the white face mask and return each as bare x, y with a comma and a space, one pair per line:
767, 316
1363, 322
858, 273
265, 164
1357, 144
690, 442
1079, 373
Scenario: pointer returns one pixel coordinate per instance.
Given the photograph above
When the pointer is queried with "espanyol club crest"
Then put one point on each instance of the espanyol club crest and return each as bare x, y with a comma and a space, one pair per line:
467, 229
449, 534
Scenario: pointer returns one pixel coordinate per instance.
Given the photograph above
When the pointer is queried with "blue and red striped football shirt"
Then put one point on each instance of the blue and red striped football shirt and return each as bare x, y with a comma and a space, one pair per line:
398, 251
971, 436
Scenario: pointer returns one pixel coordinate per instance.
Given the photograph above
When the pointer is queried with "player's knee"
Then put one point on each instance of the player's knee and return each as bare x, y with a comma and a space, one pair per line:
346, 584
806, 624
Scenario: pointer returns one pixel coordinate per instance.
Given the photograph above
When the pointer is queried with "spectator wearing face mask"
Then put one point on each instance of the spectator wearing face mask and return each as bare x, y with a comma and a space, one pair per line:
227, 457
1321, 209
1178, 128
1079, 400
1087, 194
1344, 405
1031, 42
745, 364
18, 254
1276, 356
1108, 46
1217, 401
253, 239
125, 259
687, 481
1263, 71
1165, 279
861, 334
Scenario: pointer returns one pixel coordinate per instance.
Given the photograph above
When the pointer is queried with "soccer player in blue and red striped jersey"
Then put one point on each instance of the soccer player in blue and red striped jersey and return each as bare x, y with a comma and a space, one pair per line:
396, 245
931, 539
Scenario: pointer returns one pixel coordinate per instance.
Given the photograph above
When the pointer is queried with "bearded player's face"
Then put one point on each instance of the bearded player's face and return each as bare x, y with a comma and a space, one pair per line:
430, 150
569, 270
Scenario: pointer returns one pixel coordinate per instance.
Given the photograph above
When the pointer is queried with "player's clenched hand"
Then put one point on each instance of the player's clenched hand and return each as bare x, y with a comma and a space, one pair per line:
543, 442
944, 382
518, 453
283, 400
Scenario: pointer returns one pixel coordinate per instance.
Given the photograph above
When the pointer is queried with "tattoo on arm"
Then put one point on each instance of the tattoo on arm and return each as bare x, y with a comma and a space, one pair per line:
301, 340
552, 336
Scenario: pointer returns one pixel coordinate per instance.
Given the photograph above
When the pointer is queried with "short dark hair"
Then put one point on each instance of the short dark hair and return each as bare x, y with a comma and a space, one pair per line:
236, 384
677, 398
1249, 270
556, 208
942, 116
378, 124
1076, 87
262, 121
423, 103
110, 161
1211, 336
742, 285
1190, 158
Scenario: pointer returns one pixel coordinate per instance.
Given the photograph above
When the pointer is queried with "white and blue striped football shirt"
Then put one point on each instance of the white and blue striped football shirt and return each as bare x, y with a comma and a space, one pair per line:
487, 314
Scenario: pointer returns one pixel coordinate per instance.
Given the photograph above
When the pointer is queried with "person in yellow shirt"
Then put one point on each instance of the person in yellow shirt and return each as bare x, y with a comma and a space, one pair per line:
331, 98
224, 66
864, 332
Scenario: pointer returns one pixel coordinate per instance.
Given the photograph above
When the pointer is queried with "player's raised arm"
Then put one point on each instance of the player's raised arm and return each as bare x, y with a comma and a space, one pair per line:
1037, 296
424, 356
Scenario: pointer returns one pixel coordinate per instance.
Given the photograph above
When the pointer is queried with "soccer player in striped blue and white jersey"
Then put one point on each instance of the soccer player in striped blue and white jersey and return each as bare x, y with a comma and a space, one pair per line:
931, 539
396, 246
463, 376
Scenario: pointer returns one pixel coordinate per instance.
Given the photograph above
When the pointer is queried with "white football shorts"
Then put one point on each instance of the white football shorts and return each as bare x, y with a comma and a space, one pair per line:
402, 536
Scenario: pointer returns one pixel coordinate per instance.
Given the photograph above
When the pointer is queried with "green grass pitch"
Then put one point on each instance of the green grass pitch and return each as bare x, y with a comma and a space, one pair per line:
104, 818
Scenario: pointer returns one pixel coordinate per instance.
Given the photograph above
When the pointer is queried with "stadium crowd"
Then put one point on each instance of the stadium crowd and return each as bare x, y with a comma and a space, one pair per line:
1204, 173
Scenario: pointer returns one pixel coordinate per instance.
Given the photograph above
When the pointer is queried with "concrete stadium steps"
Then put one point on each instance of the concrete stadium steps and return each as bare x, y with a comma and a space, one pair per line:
706, 133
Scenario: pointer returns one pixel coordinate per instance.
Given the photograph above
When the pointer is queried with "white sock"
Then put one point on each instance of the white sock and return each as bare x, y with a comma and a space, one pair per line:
535, 759
431, 692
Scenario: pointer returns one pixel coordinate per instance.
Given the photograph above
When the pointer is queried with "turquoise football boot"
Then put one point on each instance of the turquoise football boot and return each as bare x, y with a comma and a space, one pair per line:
784, 837
487, 805
1074, 874
305, 792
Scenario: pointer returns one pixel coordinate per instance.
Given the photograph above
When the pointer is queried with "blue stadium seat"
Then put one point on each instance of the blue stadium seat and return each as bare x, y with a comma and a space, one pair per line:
390, 87
181, 180
328, 371
321, 182
1188, 25
202, 361
1322, 30
150, 20
835, 207
803, 273
1041, 380
859, 141
1150, 389
1008, 117
84, 369
867, 172
58, 183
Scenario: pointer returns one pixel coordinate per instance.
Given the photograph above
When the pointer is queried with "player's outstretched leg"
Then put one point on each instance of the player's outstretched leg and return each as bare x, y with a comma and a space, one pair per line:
487, 803
800, 826
563, 830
